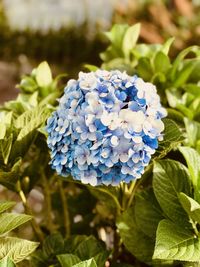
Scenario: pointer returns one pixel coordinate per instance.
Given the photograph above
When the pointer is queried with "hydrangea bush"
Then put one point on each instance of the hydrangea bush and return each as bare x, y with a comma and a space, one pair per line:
106, 128
107, 168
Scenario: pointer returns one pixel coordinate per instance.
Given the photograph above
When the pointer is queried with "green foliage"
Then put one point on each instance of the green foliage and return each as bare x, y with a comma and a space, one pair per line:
175, 243
10, 221
138, 243
172, 138
6, 262
68, 260
147, 212
193, 133
13, 249
192, 158
43, 75
70, 251
16, 249
88, 263
190, 206
165, 217
167, 184
156, 219
23, 120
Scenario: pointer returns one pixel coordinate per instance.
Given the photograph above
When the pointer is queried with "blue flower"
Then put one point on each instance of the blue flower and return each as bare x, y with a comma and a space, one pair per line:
106, 128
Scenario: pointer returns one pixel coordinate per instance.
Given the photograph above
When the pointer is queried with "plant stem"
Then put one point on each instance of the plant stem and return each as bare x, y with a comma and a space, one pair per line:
194, 227
132, 190
66, 217
117, 243
47, 194
119, 208
35, 226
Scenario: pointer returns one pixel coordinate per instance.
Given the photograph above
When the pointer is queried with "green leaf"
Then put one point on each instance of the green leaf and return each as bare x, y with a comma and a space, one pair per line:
172, 137
110, 54
116, 35
190, 206
161, 62
192, 89
192, 158
9, 179
175, 243
53, 244
175, 115
5, 205
172, 98
191, 264
183, 75
38, 258
6, 117
166, 46
89, 248
10, 221
43, 74
88, 263
72, 242
68, 260
136, 242
31, 120
195, 107
90, 67
6, 262
179, 59
158, 77
147, 212
130, 39
33, 99
169, 179
195, 75
16, 249
101, 258
28, 85
2, 130
172, 132
118, 63
193, 131
144, 69
121, 265
5, 147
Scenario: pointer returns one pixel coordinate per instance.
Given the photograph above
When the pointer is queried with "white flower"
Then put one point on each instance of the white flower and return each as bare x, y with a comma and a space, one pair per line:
146, 91
114, 140
111, 120
88, 81
104, 73
131, 119
153, 127
89, 177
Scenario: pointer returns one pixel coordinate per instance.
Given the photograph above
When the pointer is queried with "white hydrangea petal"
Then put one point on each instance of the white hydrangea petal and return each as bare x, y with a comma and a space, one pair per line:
124, 157
114, 140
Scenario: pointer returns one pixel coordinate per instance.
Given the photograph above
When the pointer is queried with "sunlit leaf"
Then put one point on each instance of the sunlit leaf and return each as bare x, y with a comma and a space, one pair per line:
130, 39
43, 74
16, 249
10, 221
169, 179
176, 243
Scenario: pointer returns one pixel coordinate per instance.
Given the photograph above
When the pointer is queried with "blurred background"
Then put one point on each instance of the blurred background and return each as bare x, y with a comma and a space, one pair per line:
68, 33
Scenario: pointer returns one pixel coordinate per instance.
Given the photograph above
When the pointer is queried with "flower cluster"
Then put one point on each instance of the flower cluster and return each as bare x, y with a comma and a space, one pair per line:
106, 128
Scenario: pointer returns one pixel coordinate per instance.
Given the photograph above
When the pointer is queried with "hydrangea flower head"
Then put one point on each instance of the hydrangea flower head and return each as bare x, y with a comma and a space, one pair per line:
106, 128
